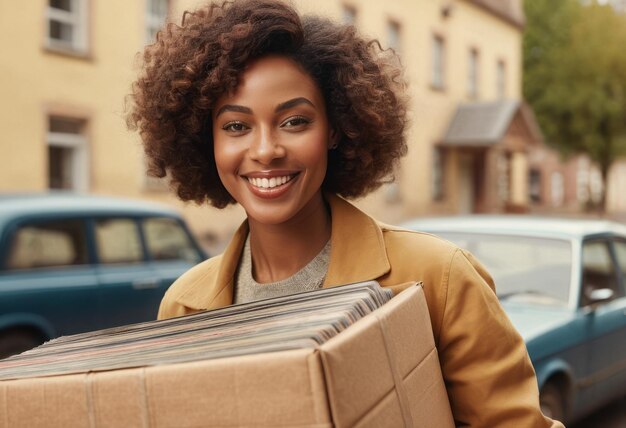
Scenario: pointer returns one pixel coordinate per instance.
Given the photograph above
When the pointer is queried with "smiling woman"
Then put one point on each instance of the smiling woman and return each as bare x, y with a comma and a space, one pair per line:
289, 116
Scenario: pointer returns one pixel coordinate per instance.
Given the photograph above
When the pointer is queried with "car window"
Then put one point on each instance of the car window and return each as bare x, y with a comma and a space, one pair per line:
620, 253
48, 244
117, 241
598, 270
167, 240
530, 268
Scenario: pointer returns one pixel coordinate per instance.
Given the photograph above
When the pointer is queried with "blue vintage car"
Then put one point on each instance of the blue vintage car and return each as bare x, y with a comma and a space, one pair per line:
563, 285
72, 263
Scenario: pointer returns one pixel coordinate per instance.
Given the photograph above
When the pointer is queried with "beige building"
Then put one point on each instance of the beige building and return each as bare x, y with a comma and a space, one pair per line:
68, 64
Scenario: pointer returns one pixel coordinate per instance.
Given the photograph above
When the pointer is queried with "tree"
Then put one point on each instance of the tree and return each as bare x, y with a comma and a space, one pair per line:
575, 78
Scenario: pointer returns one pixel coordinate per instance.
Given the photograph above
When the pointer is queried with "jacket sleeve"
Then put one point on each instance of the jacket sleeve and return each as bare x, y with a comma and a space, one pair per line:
487, 370
170, 308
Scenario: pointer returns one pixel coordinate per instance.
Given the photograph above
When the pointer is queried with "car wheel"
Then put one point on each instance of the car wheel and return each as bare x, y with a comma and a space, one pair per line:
551, 401
15, 342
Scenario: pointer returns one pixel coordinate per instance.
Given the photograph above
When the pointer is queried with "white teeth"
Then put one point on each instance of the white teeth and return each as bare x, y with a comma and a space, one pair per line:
270, 183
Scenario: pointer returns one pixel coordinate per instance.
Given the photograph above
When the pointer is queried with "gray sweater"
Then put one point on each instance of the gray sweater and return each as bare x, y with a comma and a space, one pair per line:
310, 277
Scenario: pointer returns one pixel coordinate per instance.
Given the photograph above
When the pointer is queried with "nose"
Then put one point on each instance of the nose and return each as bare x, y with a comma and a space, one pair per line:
266, 147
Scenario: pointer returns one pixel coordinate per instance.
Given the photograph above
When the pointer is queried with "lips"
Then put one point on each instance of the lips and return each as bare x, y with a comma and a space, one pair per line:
270, 184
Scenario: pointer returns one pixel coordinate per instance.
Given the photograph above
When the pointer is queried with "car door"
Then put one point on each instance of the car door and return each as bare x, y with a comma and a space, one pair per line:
171, 249
48, 279
605, 323
130, 289
618, 318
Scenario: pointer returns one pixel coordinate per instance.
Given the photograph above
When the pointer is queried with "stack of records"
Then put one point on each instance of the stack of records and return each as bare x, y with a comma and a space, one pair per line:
297, 321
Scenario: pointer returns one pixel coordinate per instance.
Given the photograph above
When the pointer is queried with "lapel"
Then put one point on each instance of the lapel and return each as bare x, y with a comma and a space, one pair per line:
357, 248
357, 254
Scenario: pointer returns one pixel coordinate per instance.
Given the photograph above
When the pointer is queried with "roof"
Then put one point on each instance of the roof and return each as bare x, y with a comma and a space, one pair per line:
480, 124
509, 10
518, 225
13, 205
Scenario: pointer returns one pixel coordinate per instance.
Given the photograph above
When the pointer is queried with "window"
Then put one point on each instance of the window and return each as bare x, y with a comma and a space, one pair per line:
117, 241
156, 14
501, 80
503, 171
67, 25
393, 35
438, 54
67, 154
541, 271
49, 244
620, 253
349, 15
167, 240
534, 185
598, 269
557, 189
595, 185
472, 74
150, 183
437, 175
582, 181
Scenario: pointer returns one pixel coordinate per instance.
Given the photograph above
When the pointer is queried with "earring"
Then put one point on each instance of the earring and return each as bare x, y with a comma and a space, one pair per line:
333, 146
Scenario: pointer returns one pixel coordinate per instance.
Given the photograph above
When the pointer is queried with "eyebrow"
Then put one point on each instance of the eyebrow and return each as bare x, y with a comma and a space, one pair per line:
235, 108
292, 103
280, 107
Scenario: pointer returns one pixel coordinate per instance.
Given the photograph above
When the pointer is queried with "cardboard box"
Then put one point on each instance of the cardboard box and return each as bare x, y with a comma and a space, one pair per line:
383, 371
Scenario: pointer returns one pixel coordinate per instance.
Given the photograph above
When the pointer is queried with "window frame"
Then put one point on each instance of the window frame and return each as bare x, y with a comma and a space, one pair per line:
153, 22
501, 79
32, 220
438, 62
473, 73
78, 143
136, 220
190, 239
349, 14
607, 239
438, 174
394, 35
621, 271
79, 22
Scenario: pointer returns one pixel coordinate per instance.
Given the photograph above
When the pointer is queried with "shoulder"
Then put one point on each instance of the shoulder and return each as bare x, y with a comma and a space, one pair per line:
202, 273
415, 244
427, 250
193, 276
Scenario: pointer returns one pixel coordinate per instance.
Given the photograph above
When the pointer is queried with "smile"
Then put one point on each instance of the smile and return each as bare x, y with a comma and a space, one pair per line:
270, 183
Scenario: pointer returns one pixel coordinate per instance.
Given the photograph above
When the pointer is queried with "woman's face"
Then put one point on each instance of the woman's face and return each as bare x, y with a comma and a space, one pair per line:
271, 138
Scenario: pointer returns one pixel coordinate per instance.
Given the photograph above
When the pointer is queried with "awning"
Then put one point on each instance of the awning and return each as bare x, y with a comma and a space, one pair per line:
484, 124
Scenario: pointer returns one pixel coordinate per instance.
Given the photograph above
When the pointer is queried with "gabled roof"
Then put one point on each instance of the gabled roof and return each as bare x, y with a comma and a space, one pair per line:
486, 123
508, 10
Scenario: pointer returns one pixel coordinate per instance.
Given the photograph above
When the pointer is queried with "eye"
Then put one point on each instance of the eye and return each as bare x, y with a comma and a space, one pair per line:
295, 122
235, 127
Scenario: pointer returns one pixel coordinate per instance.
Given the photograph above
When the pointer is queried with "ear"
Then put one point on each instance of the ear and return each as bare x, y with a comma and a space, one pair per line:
333, 139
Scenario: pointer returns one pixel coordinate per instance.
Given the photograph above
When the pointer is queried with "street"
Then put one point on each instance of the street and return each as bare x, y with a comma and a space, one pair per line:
611, 416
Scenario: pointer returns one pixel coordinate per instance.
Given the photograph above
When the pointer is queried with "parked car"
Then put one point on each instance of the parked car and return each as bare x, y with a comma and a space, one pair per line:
562, 283
74, 263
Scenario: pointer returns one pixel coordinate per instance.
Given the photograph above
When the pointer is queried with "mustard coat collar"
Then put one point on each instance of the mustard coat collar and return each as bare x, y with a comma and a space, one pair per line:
357, 254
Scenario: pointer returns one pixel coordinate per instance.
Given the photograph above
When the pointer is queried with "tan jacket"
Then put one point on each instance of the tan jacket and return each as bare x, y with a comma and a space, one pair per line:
486, 368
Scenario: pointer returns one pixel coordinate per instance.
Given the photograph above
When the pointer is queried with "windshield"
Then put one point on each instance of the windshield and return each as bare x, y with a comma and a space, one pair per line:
524, 268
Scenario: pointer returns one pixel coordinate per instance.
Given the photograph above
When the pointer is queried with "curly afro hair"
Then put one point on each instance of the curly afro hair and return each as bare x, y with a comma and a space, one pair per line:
190, 66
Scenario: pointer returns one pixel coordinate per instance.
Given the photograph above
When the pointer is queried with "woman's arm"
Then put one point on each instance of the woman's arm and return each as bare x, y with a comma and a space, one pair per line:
486, 367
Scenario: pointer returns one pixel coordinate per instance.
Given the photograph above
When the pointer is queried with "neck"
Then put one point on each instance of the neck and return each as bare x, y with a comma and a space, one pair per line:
281, 250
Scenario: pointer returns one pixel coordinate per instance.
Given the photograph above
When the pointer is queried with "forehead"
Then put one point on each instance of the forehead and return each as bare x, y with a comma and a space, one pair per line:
273, 79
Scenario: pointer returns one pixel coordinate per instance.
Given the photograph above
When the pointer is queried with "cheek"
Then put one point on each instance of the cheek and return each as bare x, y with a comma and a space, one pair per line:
317, 155
225, 159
